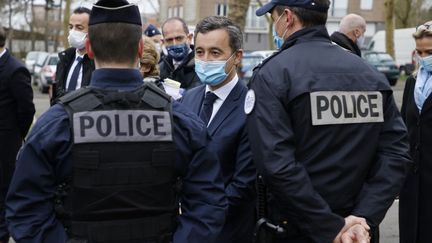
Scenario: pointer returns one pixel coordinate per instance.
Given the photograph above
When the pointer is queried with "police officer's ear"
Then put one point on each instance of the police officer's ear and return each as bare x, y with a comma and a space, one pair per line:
140, 48
88, 48
290, 17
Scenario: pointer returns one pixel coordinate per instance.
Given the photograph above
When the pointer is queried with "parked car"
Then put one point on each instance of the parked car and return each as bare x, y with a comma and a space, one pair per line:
46, 73
248, 63
251, 60
31, 58
38, 67
384, 63
264, 54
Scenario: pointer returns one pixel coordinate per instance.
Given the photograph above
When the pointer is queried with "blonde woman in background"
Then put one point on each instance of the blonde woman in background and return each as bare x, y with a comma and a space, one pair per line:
415, 205
149, 67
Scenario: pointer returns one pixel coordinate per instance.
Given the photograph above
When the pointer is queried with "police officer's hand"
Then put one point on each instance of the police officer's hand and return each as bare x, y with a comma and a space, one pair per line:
349, 222
356, 234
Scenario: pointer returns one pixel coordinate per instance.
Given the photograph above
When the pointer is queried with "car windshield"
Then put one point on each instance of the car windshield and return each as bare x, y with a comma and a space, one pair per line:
31, 56
251, 60
384, 57
53, 60
41, 58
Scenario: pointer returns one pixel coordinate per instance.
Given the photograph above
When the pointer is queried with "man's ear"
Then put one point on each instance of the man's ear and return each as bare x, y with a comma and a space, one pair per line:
140, 48
238, 56
88, 48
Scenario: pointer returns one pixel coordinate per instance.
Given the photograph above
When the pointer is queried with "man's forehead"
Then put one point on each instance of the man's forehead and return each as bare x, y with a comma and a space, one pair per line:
81, 17
213, 39
173, 26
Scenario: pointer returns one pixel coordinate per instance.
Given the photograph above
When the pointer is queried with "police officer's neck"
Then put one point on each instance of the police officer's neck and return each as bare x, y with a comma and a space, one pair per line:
114, 65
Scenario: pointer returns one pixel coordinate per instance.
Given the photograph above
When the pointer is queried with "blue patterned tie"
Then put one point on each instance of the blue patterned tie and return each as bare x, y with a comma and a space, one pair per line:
207, 106
74, 78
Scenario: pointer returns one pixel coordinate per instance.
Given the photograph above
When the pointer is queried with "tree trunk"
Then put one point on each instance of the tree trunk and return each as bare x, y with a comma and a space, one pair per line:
389, 27
238, 11
10, 33
58, 28
66, 16
270, 28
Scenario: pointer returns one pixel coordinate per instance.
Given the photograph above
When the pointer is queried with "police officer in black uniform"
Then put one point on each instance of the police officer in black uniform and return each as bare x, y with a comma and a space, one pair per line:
112, 161
325, 132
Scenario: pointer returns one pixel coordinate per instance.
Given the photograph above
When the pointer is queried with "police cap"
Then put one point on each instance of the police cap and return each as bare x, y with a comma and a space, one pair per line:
307, 4
151, 30
114, 11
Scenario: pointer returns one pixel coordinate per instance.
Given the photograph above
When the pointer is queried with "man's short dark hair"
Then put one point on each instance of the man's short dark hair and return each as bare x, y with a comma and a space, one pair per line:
219, 22
2, 37
115, 42
185, 28
307, 17
81, 10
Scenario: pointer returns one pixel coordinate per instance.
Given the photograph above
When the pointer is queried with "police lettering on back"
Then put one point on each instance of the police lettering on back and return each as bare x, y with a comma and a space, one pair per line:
121, 126
339, 107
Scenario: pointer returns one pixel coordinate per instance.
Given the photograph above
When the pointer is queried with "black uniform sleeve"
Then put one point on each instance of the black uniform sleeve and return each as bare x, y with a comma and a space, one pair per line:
387, 174
21, 90
273, 147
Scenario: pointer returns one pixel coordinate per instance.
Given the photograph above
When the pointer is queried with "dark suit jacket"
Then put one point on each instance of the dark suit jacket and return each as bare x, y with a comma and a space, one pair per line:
230, 141
67, 58
415, 210
16, 115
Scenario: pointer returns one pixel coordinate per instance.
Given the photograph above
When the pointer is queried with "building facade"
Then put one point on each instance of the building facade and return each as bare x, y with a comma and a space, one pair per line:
257, 36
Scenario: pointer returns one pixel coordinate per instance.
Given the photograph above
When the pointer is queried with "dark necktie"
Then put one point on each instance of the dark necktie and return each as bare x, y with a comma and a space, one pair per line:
207, 106
74, 78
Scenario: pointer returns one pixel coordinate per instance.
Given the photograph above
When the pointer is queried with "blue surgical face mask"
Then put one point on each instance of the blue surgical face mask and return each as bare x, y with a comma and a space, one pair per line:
178, 52
278, 41
425, 62
211, 72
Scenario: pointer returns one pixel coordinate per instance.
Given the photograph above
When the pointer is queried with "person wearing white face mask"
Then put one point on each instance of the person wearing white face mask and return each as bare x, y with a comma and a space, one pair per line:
219, 103
351, 33
415, 212
75, 68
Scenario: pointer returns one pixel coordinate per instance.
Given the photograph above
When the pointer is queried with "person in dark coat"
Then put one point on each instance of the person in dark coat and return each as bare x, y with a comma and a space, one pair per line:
351, 33
125, 179
218, 41
325, 133
74, 68
16, 115
179, 63
415, 204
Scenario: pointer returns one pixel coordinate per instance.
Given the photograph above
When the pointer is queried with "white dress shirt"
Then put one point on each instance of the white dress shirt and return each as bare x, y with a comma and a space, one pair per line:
71, 71
3, 52
222, 93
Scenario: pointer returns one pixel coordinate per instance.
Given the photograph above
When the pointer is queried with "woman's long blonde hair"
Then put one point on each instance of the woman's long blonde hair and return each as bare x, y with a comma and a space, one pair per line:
150, 57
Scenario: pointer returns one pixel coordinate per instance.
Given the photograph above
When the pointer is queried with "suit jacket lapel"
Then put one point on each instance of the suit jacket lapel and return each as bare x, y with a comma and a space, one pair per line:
230, 104
197, 99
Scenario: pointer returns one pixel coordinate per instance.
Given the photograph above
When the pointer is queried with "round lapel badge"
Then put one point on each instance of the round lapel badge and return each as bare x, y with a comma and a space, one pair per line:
249, 101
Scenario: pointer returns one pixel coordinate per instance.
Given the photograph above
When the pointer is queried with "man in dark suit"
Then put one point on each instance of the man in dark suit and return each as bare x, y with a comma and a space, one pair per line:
220, 104
16, 115
179, 63
75, 68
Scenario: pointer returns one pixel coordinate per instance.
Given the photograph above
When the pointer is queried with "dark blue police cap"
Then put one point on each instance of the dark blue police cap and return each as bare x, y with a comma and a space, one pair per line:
151, 30
114, 11
308, 4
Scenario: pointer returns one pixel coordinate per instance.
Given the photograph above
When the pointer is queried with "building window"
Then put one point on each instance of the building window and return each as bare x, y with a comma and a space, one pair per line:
180, 11
253, 22
366, 4
170, 12
338, 8
221, 9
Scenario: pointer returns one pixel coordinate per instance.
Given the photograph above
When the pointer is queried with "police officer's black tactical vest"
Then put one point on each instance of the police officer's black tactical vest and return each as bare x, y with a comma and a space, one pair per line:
123, 182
